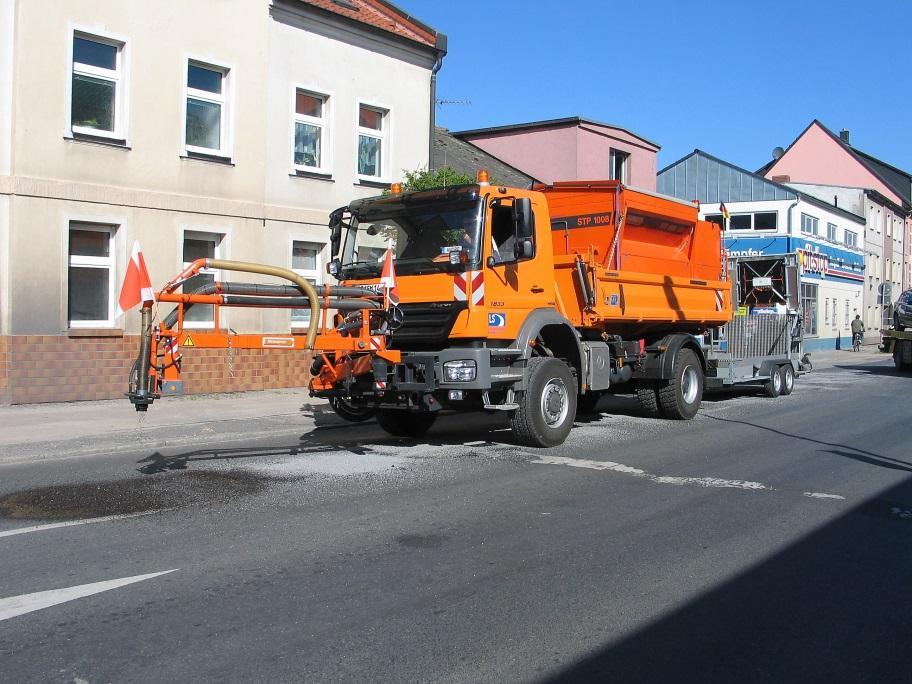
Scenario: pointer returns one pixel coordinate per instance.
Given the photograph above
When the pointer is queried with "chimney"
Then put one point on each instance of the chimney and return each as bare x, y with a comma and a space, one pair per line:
844, 135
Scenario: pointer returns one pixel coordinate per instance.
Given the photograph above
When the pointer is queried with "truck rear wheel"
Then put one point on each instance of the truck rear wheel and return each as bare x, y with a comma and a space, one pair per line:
679, 398
648, 396
548, 406
405, 423
352, 412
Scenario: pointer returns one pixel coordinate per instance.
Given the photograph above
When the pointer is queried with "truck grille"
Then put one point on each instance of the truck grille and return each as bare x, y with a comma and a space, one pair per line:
426, 325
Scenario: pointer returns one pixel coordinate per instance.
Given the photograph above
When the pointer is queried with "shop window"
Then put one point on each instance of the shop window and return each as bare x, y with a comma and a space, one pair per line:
90, 275
809, 308
740, 222
766, 220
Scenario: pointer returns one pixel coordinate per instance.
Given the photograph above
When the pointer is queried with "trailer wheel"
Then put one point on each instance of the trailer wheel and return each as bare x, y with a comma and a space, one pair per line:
352, 412
548, 406
405, 423
679, 398
648, 396
773, 387
899, 355
788, 378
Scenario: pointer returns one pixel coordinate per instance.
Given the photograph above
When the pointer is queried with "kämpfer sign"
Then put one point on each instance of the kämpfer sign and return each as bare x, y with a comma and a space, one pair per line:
756, 246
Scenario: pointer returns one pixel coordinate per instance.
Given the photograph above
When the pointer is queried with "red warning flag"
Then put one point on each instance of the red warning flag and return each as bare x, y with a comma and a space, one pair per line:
137, 286
388, 277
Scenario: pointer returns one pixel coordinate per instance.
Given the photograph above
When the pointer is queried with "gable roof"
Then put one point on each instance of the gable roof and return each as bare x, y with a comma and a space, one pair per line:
701, 176
550, 123
385, 16
897, 180
465, 157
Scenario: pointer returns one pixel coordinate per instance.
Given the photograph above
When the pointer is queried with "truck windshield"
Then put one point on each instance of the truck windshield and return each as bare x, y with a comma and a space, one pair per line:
426, 238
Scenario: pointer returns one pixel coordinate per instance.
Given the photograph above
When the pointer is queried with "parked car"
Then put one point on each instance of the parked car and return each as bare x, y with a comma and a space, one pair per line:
902, 311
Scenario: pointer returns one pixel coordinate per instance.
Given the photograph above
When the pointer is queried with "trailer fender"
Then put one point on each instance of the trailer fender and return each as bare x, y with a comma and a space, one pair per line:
661, 356
557, 334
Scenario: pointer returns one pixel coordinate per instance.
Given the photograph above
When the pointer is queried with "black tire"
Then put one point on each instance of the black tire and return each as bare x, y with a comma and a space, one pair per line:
648, 396
405, 423
548, 406
897, 358
352, 412
773, 387
788, 378
679, 398
585, 403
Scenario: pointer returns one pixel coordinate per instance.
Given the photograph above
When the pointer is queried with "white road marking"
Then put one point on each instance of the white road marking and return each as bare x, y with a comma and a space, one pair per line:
70, 523
821, 495
27, 603
661, 479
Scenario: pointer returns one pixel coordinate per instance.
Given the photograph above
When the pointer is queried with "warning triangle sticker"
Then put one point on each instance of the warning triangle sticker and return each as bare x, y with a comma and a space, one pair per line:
188, 342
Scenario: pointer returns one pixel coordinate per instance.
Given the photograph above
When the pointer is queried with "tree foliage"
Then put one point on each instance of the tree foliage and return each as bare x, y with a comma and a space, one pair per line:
424, 179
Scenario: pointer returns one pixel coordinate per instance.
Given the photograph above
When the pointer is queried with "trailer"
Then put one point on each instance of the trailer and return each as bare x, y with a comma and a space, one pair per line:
899, 344
763, 343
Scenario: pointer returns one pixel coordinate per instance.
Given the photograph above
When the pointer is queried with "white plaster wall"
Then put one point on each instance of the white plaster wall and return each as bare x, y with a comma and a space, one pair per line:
7, 23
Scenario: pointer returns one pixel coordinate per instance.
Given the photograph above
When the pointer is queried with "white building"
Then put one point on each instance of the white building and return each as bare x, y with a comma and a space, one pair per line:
217, 128
770, 218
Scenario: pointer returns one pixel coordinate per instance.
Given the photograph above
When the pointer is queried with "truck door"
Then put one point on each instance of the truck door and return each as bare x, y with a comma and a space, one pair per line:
514, 284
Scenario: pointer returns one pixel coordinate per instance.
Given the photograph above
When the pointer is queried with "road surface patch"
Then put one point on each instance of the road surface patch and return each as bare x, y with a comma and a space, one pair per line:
15, 606
660, 479
821, 495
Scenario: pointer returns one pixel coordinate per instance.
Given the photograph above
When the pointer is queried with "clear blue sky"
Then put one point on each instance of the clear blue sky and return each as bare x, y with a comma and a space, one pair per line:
733, 78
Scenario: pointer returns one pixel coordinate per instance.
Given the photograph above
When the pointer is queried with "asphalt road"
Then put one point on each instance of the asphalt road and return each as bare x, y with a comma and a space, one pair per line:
766, 540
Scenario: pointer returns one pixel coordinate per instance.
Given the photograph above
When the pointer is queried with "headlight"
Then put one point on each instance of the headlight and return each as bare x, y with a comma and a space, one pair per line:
459, 371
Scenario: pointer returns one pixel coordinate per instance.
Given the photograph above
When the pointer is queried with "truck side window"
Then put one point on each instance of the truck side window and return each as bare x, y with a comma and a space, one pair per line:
502, 235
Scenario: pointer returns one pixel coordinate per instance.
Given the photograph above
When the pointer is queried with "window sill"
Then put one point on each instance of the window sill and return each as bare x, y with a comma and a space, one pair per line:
211, 158
95, 332
313, 175
102, 140
381, 185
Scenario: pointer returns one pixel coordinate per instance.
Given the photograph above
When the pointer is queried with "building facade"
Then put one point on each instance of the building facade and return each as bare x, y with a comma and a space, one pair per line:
771, 218
571, 149
826, 165
164, 127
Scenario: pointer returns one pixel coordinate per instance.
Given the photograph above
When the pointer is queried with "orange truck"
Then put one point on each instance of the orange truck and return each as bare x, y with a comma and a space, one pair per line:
534, 302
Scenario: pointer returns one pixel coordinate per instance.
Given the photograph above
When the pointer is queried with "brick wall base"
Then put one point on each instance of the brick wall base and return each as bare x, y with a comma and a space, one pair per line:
45, 368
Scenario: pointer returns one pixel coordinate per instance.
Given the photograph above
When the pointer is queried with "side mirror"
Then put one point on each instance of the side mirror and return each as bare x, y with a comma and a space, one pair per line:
524, 248
523, 226
335, 231
334, 268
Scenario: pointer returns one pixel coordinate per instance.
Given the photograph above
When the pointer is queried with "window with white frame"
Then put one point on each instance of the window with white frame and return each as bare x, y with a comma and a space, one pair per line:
90, 275
305, 261
619, 165
835, 313
826, 311
97, 87
206, 125
199, 245
848, 315
850, 238
831, 232
310, 131
809, 308
809, 224
372, 128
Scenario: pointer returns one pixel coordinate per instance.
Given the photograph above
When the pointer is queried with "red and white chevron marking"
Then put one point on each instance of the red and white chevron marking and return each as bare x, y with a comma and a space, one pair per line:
377, 342
720, 300
469, 284
380, 384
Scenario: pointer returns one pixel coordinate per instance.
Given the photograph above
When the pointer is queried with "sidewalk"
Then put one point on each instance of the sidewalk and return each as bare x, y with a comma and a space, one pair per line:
43, 431
38, 431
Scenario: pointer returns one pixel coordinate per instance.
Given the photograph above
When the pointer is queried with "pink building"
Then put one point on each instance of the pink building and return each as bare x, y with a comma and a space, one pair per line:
826, 165
571, 149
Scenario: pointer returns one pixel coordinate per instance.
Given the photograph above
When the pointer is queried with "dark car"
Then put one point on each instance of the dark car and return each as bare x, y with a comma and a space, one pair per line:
902, 311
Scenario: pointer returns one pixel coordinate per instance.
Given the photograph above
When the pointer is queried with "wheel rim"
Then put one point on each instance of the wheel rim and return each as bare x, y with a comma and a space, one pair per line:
788, 378
777, 381
690, 385
555, 402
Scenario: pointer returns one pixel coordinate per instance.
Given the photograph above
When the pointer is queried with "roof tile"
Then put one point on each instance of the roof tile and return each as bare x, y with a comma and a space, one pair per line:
379, 15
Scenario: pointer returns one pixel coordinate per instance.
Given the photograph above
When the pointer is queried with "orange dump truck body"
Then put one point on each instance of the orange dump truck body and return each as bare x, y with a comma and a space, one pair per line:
657, 269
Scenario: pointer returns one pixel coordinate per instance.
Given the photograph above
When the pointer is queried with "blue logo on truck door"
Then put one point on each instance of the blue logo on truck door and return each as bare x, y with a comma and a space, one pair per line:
497, 320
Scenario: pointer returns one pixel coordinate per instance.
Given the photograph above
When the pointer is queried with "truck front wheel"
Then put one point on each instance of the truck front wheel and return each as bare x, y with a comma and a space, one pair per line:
679, 398
405, 423
548, 406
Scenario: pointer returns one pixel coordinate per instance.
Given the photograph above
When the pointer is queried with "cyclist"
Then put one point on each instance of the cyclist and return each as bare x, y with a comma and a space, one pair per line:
858, 330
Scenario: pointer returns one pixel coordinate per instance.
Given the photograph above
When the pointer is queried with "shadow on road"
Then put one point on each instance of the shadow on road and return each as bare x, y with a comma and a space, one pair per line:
834, 606
874, 370
839, 449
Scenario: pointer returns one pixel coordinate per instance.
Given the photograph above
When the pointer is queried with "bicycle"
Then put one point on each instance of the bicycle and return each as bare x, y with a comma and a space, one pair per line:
856, 341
